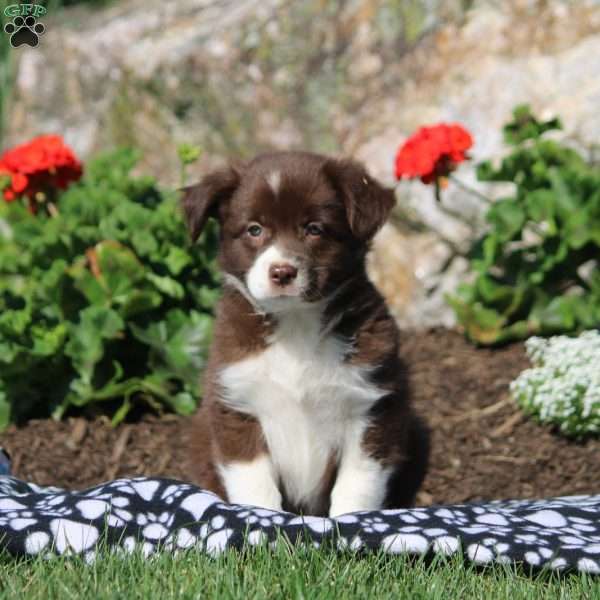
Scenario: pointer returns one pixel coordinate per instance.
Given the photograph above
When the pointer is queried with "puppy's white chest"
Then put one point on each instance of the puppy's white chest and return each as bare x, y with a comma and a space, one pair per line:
306, 398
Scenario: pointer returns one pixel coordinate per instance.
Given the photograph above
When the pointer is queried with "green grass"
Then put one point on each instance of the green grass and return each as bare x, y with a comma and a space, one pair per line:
302, 573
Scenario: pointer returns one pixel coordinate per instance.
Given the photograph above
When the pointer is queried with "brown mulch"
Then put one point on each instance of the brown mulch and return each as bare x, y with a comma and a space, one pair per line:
482, 445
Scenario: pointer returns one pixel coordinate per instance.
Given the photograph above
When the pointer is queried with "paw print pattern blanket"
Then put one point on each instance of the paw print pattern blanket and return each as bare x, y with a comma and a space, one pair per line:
155, 515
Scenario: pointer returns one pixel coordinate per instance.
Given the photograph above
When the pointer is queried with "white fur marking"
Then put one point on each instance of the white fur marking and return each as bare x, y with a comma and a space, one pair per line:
251, 482
234, 282
258, 280
362, 481
274, 181
308, 402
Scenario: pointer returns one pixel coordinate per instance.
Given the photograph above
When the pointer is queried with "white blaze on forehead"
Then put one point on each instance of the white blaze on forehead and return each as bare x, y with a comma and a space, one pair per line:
274, 181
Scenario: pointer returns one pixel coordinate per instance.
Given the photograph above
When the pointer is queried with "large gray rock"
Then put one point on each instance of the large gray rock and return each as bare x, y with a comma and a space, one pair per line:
342, 76
527, 57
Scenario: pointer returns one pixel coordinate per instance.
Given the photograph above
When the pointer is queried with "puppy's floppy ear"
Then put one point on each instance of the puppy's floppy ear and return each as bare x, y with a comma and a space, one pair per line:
368, 204
200, 201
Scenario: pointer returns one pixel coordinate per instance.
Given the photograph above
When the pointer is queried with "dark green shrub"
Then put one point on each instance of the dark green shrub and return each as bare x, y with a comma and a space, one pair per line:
106, 301
536, 269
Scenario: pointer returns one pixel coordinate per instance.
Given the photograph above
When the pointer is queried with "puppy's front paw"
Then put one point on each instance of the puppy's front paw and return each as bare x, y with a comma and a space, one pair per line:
343, 508
360, 486
251, 483
270, 499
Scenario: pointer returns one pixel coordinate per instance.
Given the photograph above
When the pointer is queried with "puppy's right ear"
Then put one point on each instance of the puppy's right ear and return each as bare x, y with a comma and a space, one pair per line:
200, 201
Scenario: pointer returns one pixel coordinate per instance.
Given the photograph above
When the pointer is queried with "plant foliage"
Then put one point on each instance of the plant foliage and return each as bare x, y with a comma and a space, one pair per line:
104, 301
536, 270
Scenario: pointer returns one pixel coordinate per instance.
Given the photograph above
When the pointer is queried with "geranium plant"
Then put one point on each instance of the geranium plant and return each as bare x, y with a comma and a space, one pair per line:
103, 301
535, 270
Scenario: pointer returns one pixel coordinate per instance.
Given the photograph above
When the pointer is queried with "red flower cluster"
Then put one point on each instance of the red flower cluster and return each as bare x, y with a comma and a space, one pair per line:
40, 165
433, 152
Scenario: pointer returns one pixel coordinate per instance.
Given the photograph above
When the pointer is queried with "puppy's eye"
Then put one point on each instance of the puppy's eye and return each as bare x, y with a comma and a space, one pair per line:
314, 229
254, 230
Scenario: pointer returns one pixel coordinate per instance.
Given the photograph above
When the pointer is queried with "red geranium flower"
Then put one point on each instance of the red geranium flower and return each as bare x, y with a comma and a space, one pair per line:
433, 152
41, 165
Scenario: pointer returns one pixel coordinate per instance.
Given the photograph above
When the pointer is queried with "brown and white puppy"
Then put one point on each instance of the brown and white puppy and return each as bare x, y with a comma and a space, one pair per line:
305, 403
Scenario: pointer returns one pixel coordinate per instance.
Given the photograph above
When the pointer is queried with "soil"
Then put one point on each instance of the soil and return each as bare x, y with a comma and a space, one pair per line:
482, 445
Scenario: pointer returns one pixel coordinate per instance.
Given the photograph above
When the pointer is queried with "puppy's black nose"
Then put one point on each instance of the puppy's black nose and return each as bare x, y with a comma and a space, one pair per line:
282, 273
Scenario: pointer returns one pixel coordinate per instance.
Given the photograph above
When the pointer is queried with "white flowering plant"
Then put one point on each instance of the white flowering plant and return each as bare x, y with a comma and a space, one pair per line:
563, 386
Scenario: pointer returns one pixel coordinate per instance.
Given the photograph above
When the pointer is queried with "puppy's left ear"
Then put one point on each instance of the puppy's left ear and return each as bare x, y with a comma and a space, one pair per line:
368, 204
201, 201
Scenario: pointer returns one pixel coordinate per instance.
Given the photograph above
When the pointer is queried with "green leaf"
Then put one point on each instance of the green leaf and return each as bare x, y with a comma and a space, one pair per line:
179, 343
176, 260
188, 153
9, 351
86, 338
541, 205
565, 202
184, 403
585, 310
120, 269
536, 277
594, 282
507, 217
205, 296
48, 341
110, 276
577, 230
85, 282
144, 243
525, 126
558, 315
4, 408
167, 285
15, 322
491, 248
485, 171
482, 325
493, 292
121, 413
90, 286
516, 331
485, 326
139, 301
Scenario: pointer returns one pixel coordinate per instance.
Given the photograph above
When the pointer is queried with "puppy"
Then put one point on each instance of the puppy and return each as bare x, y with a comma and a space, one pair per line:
306, 404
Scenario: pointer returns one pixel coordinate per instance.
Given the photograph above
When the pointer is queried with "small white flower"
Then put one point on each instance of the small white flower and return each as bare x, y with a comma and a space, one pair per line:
563, 386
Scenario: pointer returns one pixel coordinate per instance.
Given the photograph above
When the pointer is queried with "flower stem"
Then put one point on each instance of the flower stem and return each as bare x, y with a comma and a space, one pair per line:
459, 216
52, 210
463, 186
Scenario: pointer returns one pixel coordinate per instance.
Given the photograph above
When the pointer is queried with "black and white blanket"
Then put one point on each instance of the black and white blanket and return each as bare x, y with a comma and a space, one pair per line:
154, 515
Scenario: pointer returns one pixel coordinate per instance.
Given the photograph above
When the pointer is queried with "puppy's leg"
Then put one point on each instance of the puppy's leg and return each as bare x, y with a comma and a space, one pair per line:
361, 483
241, 458
251, 482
